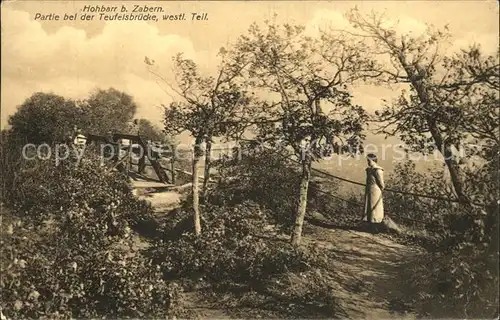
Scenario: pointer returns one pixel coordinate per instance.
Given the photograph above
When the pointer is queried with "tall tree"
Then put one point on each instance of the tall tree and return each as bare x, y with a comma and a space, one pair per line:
206, 107
312, 112
445, 94
45, 118
107, 111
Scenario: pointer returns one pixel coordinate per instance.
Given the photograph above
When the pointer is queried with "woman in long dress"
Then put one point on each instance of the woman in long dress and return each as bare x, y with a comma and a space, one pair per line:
374, 204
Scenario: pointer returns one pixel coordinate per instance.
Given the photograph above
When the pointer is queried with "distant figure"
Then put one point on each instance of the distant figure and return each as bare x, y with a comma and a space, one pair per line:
374, 205
79, 139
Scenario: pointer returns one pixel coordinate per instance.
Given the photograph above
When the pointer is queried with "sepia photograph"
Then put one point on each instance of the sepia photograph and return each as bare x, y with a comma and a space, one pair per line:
249, 159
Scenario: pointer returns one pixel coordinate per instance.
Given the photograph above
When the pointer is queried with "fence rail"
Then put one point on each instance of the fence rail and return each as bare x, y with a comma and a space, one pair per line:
419, 195
356, 203
428, 196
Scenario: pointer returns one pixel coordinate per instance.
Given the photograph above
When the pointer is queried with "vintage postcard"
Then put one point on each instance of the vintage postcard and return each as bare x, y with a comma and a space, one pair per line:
249, 159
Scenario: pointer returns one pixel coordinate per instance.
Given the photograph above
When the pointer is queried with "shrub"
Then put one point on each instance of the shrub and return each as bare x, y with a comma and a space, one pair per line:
46, 191
232, 247
10, 162
43, 280
268, 179
460, 277
65, 249
462, 283
412, 211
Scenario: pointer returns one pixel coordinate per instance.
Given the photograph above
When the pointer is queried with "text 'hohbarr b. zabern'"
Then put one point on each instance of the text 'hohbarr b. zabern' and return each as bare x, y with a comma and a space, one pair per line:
135, 8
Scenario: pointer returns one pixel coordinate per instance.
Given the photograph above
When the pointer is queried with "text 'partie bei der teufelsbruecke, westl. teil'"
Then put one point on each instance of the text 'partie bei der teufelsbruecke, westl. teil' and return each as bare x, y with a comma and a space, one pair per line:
134, 12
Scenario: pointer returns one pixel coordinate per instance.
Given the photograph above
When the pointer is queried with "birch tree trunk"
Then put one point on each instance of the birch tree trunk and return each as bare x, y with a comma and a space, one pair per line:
301, 209
197, 154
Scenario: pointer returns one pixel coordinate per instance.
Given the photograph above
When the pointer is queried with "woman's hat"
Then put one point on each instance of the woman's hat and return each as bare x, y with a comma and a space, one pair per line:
372, 157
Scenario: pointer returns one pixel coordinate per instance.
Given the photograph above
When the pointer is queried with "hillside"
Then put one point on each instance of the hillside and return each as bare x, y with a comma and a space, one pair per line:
363, 274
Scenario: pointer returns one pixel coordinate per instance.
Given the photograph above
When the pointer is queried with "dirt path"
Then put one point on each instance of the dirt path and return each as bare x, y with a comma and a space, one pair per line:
364, 273
367, 272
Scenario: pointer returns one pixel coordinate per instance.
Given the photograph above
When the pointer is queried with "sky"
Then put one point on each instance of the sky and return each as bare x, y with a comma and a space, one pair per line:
71, 58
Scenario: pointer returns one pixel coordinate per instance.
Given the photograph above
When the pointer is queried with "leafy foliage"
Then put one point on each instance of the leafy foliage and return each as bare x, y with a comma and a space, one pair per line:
297, 73
459, 277
461, 282
267, 178
445, 97
107, 111
44, 118
10, 161
49, 118
206, 106
65, 247
233, 248
47, 191
401, 207
150, 131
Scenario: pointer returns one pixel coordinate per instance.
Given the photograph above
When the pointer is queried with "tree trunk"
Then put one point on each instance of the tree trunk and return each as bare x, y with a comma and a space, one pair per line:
443, 146
455, 177
451, 164
195, 187
301, 209
208, 162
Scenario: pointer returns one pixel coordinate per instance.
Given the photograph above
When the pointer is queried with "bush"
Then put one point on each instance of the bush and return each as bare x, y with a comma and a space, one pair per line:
268, 179
62, 192
462, 283
232, 247
65, 246
10, 162
460, 277
43, 280
414, 211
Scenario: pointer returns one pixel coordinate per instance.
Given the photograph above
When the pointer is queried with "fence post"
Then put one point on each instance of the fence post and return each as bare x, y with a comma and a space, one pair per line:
172, 168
